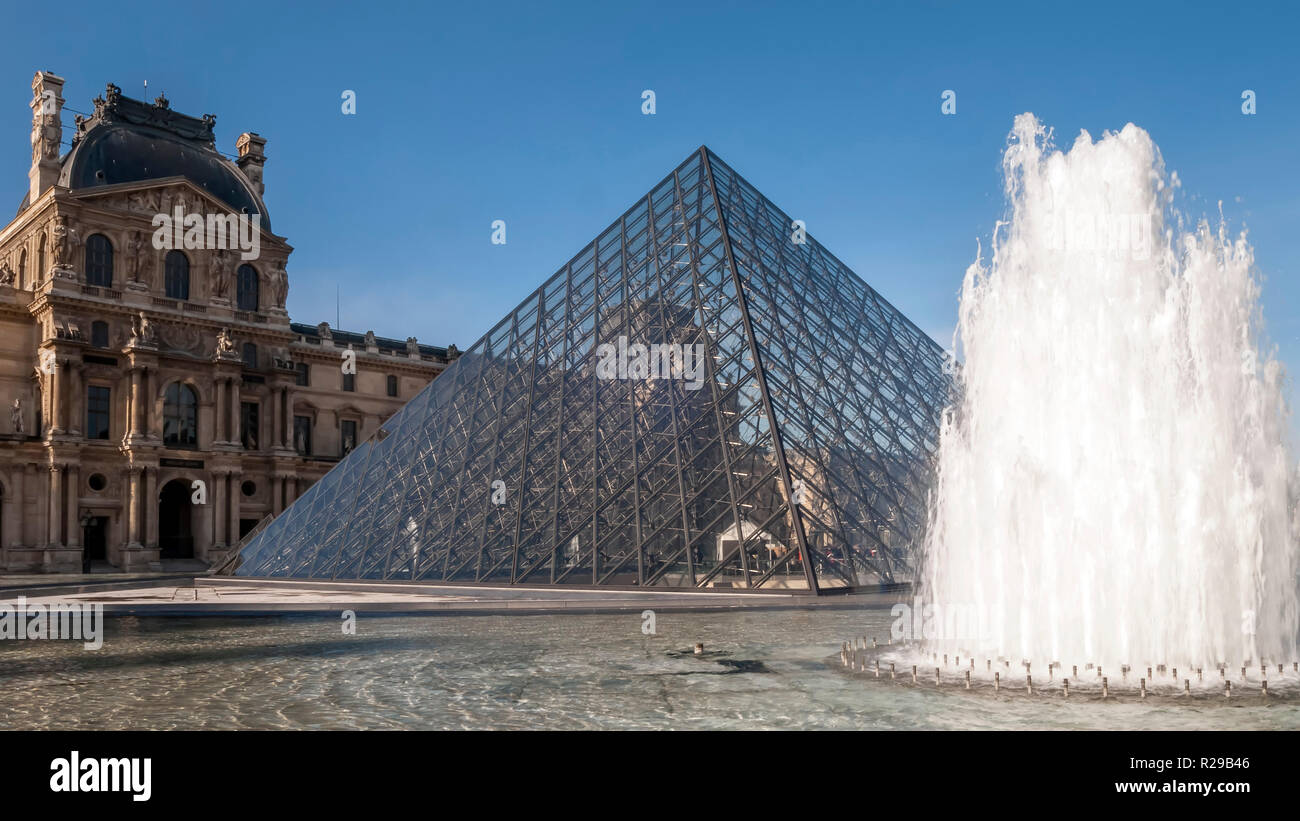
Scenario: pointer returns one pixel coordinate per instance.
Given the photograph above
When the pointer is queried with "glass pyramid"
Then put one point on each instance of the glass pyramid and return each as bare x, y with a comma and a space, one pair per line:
558, 450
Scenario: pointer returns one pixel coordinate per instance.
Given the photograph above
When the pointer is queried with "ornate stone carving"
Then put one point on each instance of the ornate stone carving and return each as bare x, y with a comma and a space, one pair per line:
225, 344
452, 352
412, 346
323, 331
182, 337
62, 239
142, 330
16, 416
136, 258
370, 340
114, 107
45, 139
144, 202
219, 271
7, 275
279, 284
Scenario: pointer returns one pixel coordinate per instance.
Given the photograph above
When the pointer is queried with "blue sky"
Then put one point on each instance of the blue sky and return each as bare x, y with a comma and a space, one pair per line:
531, 113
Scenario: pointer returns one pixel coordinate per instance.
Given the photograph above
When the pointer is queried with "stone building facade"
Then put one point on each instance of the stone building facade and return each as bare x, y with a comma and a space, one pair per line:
157, 402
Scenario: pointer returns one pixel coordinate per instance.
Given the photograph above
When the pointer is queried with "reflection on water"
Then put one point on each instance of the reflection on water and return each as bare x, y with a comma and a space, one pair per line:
759, 670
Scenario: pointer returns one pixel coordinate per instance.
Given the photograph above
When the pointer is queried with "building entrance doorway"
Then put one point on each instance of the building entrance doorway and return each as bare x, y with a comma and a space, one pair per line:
175, 525
94, 541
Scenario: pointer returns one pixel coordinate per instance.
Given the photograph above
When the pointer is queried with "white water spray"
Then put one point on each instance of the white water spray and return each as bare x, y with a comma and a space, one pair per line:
1114, 483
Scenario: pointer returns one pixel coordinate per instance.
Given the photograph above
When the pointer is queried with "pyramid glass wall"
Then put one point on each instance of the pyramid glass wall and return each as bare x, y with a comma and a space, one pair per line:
694, 400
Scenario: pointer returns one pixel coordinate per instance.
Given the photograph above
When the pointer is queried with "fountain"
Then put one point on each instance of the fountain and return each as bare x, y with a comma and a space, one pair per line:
1115, 487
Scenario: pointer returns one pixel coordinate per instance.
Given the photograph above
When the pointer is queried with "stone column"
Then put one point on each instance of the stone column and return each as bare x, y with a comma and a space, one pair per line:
218, 504
150, 391
288, 419
75, 398
14, 515
151, 506
232, 532
201, 518
72, 528
137, 403
54, 521
27, 525
276, 407
56, 398
133, 508
218, 413
234, 411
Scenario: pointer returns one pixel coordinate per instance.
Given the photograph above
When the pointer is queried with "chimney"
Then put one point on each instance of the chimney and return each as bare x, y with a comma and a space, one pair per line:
252, 156
47, 132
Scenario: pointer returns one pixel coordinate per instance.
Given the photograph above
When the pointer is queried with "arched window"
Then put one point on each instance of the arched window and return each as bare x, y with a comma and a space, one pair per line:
176, 272
41, 270
180, 416
99, 261
246, 297
250, 355
99, 333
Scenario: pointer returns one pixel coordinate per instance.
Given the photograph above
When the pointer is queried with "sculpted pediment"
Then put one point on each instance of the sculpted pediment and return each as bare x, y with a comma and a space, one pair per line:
148, 200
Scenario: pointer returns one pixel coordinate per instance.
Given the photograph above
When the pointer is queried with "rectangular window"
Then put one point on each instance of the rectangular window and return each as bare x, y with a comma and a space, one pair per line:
304, 374
248, 424
349, 382
97, 412
302, 435
392, 386
349, 436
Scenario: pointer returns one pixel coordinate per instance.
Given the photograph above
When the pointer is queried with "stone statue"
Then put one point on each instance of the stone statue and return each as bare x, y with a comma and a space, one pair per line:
135, 258
220, 271
412, 346
74, 242
279, 284
45, 140
225, 344
59, 237
7, 276
143, 201
142, 331
323, 331
370, 339
16, 415
452, 352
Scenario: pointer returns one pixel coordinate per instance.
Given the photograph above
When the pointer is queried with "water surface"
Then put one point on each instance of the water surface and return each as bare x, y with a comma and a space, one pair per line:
762, 670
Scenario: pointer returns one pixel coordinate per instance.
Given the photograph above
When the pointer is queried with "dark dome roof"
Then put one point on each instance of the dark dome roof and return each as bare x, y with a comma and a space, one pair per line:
127, 140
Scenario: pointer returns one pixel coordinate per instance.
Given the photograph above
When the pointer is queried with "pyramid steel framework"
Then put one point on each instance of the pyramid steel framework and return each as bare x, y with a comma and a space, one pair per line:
556, 450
